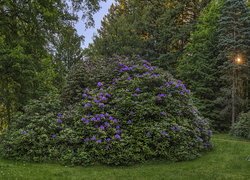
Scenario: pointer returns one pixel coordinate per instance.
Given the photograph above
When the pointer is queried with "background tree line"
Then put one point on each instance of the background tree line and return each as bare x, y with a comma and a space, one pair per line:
197, 41
38, 46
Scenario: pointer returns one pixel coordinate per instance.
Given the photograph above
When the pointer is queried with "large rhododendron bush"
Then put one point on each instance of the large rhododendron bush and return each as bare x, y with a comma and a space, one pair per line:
143, 113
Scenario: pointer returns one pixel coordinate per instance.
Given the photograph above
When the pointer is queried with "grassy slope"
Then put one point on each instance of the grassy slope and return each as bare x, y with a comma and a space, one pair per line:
230, 159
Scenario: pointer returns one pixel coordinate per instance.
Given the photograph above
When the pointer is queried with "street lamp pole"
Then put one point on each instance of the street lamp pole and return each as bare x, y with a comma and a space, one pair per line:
233, 95
236, 61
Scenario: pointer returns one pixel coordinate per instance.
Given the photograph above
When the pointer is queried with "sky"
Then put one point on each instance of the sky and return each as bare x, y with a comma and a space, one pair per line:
88, 33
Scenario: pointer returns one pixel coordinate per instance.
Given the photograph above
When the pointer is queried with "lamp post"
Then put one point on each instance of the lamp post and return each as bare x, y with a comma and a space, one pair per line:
236, 61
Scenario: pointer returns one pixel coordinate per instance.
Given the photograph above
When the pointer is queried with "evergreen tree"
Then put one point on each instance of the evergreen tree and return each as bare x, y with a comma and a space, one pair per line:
157, 30
198, 67
234, 54
117, 35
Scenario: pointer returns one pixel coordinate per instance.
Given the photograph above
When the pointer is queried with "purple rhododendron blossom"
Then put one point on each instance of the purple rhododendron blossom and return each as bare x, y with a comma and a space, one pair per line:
108, 139
129, 122
155, 75
101, 105
86, 140
23, 132
106, 124
162, 95
199, 139
164, 133
59, 115
59, 121
93, 138
210, 133
138, 90
108, 95
53, 136
163, 113
87, 105
99, 141
103, 98
99, 84
96, 101
102, 127
175, 128
102, 116
86, 121
117, 136
118, 131
126, 68
84, 96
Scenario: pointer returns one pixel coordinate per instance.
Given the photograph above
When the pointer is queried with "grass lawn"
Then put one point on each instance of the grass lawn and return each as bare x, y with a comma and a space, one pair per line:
230, 159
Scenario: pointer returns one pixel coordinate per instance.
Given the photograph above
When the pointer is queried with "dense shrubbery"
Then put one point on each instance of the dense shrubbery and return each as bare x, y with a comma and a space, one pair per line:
242, 127
28, 136
142, 114
85, 74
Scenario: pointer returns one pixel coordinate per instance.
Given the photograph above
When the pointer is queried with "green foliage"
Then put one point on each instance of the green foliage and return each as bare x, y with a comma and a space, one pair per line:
16, 76
229, 152
142, 114
85, 74
31, 32
28, 136
233, 42
67, 47
208, 61
199, 66
242, 127
156, 30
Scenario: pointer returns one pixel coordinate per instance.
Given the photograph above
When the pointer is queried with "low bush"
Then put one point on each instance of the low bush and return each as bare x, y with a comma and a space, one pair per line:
242, 127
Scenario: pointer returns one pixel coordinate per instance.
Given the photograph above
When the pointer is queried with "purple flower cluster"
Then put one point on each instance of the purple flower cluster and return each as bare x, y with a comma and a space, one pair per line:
210, 133
87, 105
163, 113
164, 133
179, 85
148, 66
59, 118
124, 68
100, 100
199, 139
161, 95
53, 136
23, 132
105, 123
129, 78
175, 128
155, 75
129, 122
138, 90
99, 84
59, 121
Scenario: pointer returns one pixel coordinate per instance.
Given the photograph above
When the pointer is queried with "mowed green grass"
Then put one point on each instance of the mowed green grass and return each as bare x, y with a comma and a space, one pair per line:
230, 159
